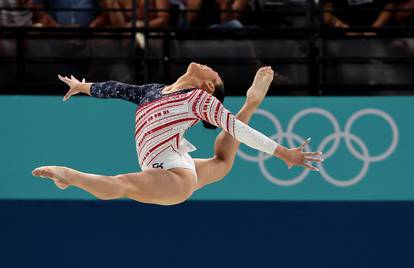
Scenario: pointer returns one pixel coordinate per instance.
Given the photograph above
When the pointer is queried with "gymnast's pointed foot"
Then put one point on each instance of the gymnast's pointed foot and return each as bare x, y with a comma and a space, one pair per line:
259, 87
54, 173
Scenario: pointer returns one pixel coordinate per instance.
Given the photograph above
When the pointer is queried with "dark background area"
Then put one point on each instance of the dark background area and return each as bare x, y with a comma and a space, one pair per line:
206, 234
311, 56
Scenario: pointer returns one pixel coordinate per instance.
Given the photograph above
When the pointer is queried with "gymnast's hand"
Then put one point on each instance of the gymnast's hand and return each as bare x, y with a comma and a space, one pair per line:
75, 86
297, 156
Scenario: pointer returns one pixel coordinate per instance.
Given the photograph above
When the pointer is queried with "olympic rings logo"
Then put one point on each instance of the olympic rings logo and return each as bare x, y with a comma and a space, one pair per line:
336, 137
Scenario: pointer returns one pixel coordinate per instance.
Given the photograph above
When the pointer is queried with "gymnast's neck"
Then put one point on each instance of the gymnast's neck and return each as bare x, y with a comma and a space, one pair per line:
183, 82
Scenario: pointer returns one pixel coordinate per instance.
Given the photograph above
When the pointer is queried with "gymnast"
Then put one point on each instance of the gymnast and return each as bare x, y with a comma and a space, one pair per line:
164, 113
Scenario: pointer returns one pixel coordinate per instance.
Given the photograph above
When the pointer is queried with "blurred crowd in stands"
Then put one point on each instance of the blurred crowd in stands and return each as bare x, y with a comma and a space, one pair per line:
164, 14
196, 13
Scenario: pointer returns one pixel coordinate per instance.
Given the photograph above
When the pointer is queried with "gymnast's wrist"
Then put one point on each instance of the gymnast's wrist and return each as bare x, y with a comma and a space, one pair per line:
85, 88
249, 106
280, 152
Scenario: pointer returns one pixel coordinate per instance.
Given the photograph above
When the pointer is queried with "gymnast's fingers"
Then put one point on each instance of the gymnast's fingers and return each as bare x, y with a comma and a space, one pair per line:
74, 78
305, 143
309, 166
64, 80
312, 153
314, 159
67, 96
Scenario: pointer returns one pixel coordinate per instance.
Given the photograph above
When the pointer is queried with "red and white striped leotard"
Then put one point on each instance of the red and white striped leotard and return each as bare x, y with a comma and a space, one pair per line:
160, 124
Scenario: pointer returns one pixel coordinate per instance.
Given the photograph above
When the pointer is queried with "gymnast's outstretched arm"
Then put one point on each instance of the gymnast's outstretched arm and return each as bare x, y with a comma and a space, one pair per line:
108, 89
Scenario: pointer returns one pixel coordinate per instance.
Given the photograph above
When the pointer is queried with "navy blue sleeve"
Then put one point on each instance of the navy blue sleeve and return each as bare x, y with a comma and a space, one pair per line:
114, 89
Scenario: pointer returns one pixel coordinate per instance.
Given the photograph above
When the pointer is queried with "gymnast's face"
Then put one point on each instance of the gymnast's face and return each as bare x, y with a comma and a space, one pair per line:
208, 77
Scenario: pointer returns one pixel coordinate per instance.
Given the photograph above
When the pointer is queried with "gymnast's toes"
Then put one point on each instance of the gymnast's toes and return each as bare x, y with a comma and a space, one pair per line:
38, 172
52, 173
42, 172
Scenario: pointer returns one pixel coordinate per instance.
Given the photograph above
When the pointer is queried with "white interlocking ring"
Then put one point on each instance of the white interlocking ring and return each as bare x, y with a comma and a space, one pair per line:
357, 178
387, 118
336, 136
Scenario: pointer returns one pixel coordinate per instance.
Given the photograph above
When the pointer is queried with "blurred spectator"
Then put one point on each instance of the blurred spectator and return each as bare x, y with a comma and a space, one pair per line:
124, 18
216, 13
56, 18
350, 13
15, 17
284, 16
404, 45
220, 14
123, 48
362, 13
234, 9
74, 48
8, 47
405, 17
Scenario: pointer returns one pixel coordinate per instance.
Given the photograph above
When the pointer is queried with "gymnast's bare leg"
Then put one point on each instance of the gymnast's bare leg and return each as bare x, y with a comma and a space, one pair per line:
225, 147
163, 187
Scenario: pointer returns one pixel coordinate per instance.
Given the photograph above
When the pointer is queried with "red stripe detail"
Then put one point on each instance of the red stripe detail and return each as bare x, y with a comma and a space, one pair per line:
234, 133
151, 138
195, 122
200, 107
208, 109
158, 145
216, 113
163, 101
136, 136
227, 123
205, 117
167, 125
147, 113
194, 93
172, 123
149, 162
144, 120
163, 98
175, 136
221, 115
137, 130
196, 101
142, 117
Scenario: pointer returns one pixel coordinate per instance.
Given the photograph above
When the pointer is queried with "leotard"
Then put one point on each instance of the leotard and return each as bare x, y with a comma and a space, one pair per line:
162, 119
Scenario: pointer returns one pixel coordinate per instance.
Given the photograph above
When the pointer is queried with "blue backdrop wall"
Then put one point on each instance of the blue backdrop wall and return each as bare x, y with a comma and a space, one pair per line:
367, 144
356, 213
